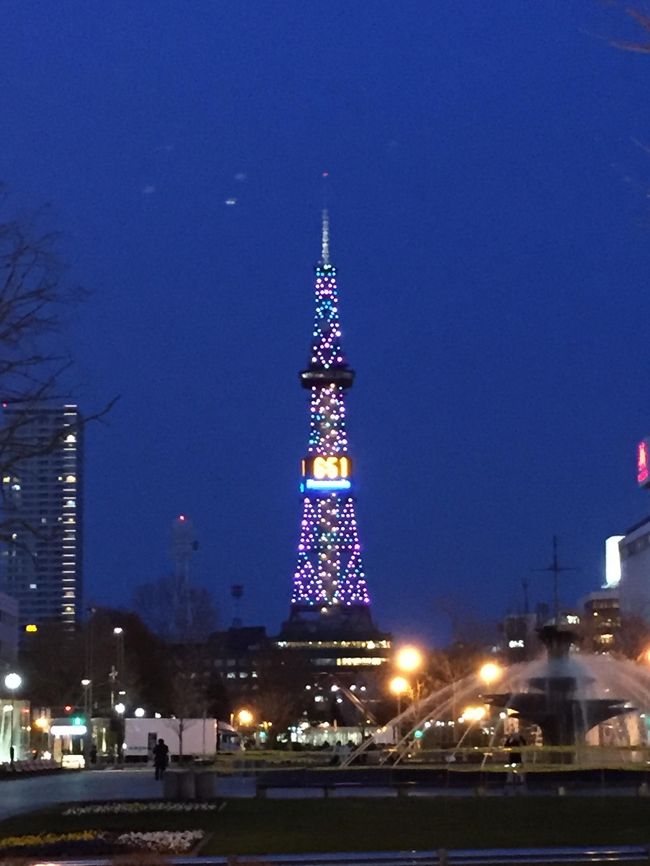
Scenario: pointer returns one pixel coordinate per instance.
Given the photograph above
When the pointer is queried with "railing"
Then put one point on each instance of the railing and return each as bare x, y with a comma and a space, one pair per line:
441, 857
535, 758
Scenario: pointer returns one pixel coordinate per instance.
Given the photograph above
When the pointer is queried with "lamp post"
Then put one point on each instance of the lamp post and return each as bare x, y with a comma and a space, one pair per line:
409, 660
13, 681
87, 687
399, 686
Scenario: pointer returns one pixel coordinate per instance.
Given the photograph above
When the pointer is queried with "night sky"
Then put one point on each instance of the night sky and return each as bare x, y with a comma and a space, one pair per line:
489, 199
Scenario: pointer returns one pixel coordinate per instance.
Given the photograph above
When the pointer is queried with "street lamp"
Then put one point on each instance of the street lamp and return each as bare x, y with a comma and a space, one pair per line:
408, 659
117, 670
88, 701
473, 714
490, 672
139, 712
245, 718
120, 709
13, 681
399, 686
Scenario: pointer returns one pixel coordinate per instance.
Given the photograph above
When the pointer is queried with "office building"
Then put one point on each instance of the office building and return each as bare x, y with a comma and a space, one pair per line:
43, 513
8, 631
634, 586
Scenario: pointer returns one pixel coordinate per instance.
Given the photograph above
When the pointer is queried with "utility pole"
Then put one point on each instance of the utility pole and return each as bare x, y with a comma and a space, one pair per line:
555, 569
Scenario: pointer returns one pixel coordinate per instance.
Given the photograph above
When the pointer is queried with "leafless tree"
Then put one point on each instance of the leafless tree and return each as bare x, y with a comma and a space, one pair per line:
34, 293
643, 21
175, 610
280, 695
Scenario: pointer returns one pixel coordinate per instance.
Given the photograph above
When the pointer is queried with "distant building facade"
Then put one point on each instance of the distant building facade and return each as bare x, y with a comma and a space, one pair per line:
520, 641
601, 620
43, 513
8, 631
236, 654
634, 586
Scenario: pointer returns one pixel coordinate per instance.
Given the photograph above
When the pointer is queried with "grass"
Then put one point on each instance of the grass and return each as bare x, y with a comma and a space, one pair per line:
357, 824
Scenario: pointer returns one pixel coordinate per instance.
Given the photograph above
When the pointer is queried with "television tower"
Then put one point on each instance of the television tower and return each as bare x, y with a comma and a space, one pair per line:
184, 545
329, 583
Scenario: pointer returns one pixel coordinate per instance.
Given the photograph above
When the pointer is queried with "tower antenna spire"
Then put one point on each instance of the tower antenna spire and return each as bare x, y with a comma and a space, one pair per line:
325, 238
325, 227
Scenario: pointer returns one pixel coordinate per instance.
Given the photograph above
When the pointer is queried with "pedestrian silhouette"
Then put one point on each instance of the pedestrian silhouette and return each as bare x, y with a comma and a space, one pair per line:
160, 758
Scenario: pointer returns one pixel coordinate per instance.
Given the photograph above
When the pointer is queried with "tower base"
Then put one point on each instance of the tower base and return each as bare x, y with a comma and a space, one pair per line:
337, 640
308, 622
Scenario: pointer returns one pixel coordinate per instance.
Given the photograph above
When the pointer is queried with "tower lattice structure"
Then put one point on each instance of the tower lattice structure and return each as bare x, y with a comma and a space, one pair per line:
329, 583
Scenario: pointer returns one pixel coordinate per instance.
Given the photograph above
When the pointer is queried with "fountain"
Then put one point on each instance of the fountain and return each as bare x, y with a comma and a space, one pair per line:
558, 701
590, 708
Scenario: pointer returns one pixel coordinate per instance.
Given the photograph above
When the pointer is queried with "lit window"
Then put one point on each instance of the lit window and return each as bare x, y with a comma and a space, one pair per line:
70, 437
33, 586
71, 479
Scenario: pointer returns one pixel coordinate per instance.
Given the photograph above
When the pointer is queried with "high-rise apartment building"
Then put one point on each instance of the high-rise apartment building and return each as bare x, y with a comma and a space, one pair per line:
43, 512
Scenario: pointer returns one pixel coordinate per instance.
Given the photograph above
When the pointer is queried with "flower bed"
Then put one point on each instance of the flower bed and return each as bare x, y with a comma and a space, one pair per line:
164, 841
139, 808
97, 843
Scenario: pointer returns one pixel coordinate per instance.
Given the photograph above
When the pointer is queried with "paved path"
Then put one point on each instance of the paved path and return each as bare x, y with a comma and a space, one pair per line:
36, 792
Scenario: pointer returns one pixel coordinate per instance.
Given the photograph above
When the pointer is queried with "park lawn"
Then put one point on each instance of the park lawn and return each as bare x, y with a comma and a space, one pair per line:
356, 824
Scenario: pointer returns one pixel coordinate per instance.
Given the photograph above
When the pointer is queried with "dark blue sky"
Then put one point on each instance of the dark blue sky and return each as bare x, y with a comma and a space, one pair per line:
491, 225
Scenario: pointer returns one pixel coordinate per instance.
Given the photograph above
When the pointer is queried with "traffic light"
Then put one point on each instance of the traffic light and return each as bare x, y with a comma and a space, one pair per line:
68, 708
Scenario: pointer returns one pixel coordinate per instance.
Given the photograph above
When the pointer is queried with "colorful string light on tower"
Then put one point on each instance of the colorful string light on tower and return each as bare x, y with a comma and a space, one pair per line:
329, 581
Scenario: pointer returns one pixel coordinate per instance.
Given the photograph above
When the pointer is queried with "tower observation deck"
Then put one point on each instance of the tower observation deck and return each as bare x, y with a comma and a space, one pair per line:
330, 596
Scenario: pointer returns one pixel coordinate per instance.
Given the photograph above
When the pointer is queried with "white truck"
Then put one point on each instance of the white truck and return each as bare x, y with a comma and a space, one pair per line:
195, 738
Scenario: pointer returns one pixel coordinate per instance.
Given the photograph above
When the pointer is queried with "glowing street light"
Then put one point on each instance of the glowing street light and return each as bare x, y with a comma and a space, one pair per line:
399, 686
408, 659
139, 712
245, 718
13, 681
473, 714
490, 672
120, 709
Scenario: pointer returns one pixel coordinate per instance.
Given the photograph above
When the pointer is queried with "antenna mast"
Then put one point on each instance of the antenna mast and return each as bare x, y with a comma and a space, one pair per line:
556, 569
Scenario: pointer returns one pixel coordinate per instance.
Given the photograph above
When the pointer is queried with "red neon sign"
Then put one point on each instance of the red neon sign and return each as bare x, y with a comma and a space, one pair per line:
642, 468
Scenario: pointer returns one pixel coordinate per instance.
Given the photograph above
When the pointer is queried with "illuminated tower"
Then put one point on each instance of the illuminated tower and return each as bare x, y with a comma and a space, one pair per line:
329, 585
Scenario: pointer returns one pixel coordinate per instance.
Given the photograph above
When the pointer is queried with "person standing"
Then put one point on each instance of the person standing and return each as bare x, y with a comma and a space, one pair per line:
513, 742
160, 758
